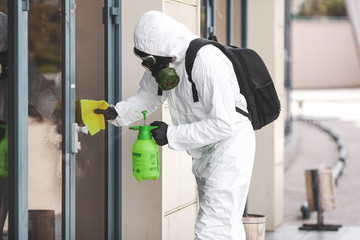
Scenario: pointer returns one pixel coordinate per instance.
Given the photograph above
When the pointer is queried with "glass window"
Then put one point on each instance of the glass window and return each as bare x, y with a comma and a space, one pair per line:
45, 116
44, 120
90, 84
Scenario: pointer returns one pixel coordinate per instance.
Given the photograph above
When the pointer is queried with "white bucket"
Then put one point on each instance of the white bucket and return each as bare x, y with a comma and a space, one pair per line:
254, 226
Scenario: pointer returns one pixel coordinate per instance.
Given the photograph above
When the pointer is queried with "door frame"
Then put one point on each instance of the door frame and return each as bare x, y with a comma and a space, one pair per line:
113, 71
18, 118
68, 117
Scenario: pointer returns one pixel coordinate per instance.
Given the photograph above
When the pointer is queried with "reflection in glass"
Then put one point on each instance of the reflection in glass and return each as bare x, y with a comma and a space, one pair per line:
44, 136
4, 84
90, 82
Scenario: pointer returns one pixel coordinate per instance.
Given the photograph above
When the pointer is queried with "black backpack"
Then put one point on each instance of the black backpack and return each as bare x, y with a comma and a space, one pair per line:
253, 77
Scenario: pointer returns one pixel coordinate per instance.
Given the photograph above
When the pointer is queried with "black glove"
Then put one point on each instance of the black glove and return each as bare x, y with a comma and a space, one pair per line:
109, 114
159, 134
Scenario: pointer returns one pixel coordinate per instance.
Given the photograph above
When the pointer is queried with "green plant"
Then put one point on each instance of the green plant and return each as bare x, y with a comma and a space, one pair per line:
316, 8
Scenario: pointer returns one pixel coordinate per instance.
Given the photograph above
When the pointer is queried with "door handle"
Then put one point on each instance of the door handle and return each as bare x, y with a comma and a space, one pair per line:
76, 145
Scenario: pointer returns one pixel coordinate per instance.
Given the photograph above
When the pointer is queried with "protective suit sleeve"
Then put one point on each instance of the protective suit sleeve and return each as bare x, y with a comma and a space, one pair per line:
146, 98
214, 77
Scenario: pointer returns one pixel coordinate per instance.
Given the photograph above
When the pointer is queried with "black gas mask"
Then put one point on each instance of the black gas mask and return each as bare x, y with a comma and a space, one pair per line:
4, 69
165, 76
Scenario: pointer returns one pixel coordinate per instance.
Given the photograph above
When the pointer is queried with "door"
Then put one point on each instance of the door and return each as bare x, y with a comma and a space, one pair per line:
97, 77
91, 161
45, 123
13, 112
14, 119
75, 190
4, 119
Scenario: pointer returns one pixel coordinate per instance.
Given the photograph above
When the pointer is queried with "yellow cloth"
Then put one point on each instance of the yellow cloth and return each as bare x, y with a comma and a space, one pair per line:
95, 122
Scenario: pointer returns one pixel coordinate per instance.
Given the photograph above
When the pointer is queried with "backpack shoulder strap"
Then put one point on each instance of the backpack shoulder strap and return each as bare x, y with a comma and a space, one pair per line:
191, 52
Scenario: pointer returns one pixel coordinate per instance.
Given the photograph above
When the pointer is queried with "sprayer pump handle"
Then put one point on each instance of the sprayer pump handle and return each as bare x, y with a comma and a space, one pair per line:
144, 113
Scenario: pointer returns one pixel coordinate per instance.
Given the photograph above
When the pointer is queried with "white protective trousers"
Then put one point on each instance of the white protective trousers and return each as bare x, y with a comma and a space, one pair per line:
220, 140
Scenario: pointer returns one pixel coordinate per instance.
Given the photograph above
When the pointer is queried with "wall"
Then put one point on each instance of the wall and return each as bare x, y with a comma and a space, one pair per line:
324, 55
165, 208
221, 15
266, 36
141, 201
179, 187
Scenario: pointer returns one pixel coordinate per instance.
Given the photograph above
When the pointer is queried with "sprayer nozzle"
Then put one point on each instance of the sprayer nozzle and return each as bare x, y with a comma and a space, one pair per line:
144, 113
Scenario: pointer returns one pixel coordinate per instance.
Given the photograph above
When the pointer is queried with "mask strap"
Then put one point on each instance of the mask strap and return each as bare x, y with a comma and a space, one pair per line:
160, 91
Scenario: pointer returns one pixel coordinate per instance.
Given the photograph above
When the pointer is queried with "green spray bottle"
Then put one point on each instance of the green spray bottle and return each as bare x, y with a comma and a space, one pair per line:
4, 152
145, 153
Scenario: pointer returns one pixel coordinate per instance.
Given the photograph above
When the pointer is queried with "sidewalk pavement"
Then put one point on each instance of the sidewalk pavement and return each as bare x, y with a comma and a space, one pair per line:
312, 148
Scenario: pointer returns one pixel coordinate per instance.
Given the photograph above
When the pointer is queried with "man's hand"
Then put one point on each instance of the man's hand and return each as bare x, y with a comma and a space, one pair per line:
109, 114
159, 134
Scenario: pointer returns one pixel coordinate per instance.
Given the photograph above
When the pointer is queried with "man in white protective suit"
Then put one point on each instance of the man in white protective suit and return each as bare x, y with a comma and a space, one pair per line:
220, 140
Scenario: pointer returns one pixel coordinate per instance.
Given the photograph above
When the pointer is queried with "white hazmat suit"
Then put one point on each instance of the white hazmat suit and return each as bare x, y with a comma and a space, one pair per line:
220, 140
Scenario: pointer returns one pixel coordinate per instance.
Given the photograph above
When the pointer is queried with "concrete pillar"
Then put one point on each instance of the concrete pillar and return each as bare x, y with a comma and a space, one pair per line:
266, 36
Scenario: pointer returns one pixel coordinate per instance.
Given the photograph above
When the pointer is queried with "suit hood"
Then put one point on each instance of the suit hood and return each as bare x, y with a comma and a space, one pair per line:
157, 34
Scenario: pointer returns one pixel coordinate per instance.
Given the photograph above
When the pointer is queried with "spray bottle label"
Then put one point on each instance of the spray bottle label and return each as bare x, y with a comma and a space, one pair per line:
145, 166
